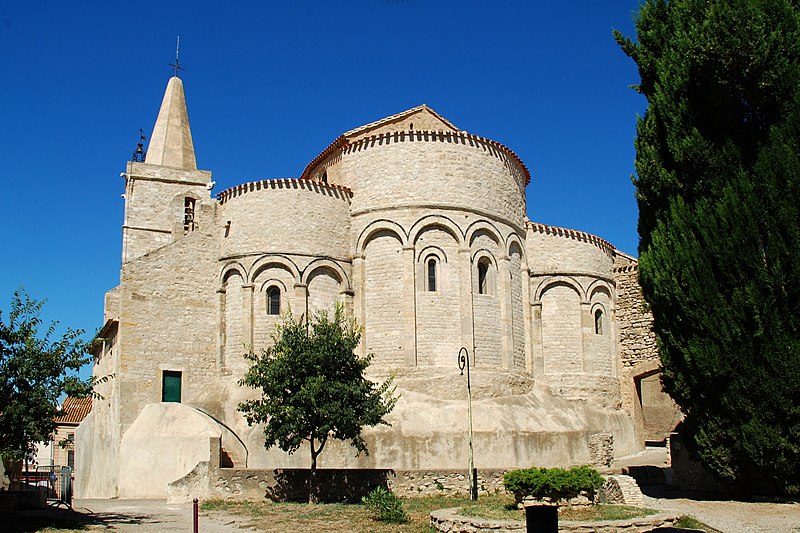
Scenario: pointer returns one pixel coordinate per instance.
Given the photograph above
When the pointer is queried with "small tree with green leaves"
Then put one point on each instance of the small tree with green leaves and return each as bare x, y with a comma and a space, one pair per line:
35, 370
313, 386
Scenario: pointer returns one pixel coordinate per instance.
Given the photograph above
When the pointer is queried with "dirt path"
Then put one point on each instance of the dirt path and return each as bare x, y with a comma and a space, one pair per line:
147, 516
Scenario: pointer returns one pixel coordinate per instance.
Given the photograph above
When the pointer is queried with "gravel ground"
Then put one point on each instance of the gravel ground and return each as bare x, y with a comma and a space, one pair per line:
156, 516
734, 516
153, 516
724, 515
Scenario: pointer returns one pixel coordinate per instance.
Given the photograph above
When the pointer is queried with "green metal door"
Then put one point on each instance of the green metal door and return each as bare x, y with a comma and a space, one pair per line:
171, 386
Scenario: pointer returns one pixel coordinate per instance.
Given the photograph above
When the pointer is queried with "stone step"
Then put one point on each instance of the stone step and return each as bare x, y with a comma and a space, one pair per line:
621, 489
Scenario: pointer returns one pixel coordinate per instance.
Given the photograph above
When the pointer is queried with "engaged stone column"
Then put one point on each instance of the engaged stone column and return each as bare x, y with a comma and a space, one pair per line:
247, 315
358, 301
346, 299
465, 279
537, 348
222, 334
409, 309
587, 328
301, 300
526, 318
506, 327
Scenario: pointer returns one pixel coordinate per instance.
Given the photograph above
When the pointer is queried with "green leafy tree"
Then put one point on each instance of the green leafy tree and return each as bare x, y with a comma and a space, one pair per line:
718, 188
313, 386
35, 370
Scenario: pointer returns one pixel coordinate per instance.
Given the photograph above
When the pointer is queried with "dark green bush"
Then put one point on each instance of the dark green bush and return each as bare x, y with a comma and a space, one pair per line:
385, 505
553, 483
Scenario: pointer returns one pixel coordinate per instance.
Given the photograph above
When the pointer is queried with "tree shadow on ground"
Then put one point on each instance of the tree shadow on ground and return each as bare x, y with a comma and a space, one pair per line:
666, 492
57, 517
332, 485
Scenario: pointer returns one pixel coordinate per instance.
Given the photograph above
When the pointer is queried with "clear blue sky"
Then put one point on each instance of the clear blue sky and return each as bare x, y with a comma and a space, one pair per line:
269, 85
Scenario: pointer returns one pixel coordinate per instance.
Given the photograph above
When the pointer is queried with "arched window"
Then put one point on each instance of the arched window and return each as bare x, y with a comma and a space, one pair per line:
273, 301
598, 322
188, 214
483, 271
431, 278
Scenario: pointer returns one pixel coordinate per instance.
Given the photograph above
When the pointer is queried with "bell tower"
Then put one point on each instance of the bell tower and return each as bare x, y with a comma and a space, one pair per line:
164, 193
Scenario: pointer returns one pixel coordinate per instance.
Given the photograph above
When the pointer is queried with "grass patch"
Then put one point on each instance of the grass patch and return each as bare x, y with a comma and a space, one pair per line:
332, 517
602, 511
503, 507
690, 522
340, 518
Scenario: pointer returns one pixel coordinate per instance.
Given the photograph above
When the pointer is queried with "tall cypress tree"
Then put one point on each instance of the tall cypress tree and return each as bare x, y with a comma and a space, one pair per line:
718, 187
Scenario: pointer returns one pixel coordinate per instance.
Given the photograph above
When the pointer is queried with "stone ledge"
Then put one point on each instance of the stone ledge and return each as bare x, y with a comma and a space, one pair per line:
448, 521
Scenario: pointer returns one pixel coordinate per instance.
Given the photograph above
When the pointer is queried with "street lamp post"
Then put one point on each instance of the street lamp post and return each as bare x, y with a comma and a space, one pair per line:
463, 361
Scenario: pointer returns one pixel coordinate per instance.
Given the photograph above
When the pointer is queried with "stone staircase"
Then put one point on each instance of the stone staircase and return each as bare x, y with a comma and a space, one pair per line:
621, 489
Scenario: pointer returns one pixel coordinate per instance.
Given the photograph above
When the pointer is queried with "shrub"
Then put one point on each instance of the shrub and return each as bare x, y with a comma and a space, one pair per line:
385, 505
553, 483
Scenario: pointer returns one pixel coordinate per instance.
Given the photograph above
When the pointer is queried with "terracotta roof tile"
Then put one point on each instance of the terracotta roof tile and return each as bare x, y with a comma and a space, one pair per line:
74, 410
397, 116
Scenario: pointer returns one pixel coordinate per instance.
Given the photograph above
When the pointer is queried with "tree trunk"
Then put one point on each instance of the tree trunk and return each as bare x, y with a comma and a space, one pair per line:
313, 486
14, 472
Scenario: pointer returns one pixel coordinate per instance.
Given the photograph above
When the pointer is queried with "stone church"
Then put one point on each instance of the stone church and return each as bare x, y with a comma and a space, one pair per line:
419, 230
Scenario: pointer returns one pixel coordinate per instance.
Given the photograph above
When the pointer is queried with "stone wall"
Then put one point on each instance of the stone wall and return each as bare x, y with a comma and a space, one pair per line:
418, 483
292, 484
449, 521
688, 473
450, 170
553, 250
438, 311
285, 216
208, 480
383, 299
601, 449
637, 341
154, 206
169, 322
562, 340
654, 413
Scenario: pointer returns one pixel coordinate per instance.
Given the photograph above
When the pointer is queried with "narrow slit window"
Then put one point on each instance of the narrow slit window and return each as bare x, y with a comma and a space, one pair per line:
431, 275
171, 386
273, 301
483, 271
598, 322
188, 215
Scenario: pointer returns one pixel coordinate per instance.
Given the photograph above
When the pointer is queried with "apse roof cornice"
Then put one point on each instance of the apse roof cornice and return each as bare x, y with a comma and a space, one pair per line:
546, 229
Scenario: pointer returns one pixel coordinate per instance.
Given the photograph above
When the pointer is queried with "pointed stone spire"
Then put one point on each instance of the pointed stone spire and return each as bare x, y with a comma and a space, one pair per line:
171, 142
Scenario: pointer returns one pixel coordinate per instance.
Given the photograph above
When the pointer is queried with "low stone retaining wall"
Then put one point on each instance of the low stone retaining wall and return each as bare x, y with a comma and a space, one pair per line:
448, 521
413, 483
292, 484
336, 485
209, 480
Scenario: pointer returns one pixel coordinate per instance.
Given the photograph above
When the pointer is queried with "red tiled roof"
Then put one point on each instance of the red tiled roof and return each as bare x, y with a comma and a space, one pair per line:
74, 410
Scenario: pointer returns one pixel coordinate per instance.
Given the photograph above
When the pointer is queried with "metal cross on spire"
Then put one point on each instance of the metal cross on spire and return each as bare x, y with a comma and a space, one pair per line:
177, 66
